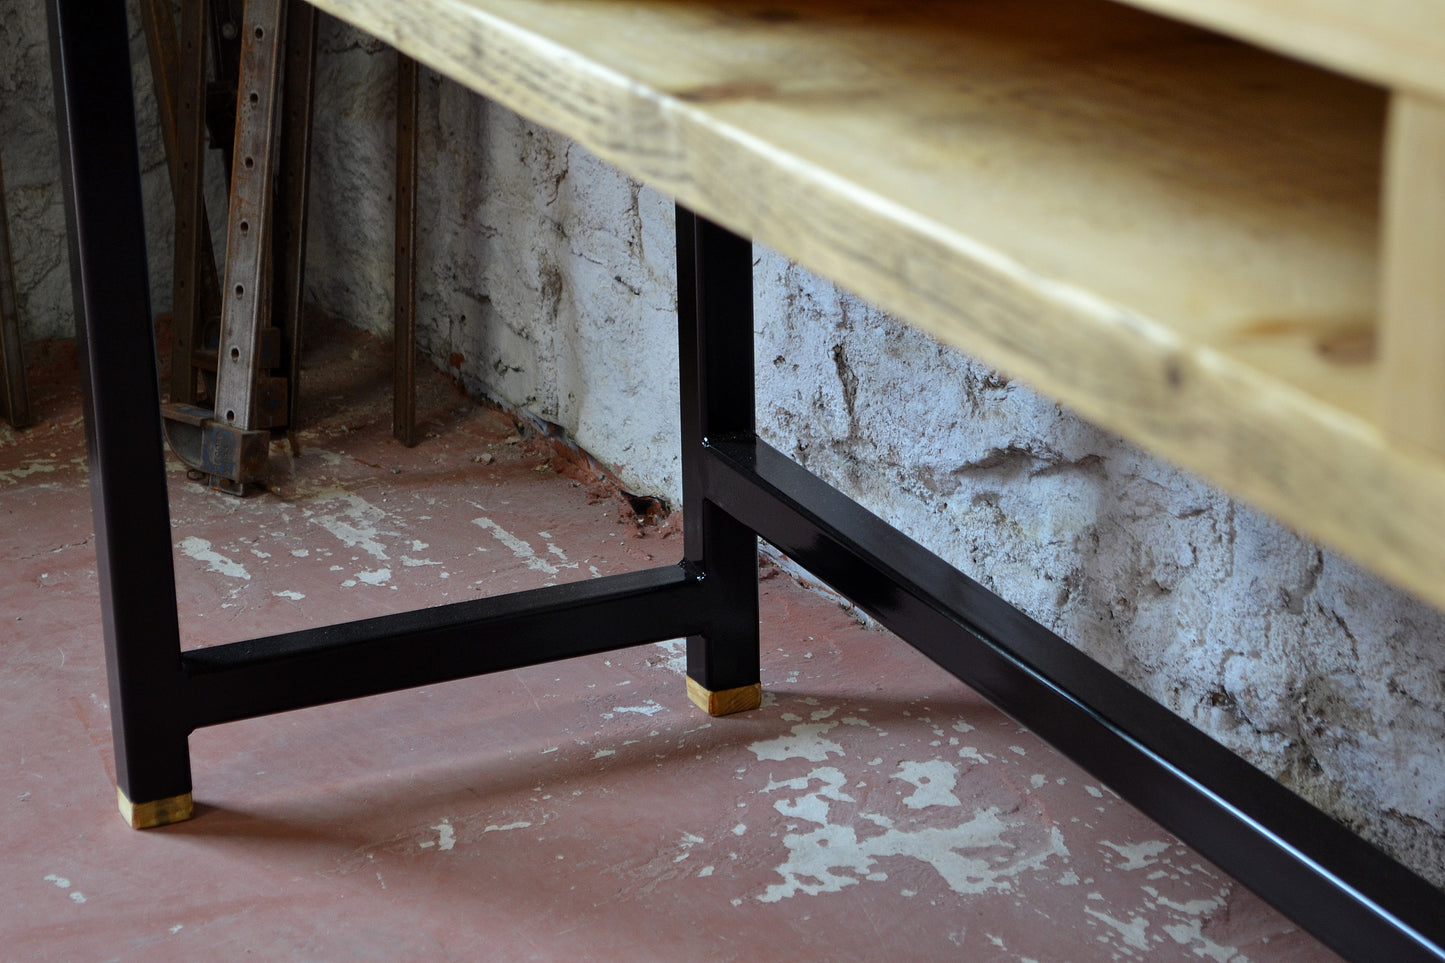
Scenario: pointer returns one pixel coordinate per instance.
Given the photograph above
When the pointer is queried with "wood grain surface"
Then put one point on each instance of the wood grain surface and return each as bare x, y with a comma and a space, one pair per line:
1394, 43
1412, 297
1173, 233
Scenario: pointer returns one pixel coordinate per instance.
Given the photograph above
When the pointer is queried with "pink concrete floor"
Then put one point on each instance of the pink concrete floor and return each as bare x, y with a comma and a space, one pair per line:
872, 809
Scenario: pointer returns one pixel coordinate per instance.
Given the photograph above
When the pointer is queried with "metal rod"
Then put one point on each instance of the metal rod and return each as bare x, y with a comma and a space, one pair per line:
1333, 883
224, 44
246, 299
100, 171
195, 264
14, 395
293, 189
403, 417
180, 83
715, 344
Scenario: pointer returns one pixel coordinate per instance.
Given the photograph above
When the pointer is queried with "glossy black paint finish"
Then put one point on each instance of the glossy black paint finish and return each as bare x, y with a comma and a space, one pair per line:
1340, 888
101, 170
715, 350
312, 667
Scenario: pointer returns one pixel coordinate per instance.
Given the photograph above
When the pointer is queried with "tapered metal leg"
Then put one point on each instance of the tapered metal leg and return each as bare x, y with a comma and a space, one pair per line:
715, 340
101, 172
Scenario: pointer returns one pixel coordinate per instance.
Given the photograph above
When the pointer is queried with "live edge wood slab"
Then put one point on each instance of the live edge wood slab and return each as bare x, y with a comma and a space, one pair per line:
1173, 232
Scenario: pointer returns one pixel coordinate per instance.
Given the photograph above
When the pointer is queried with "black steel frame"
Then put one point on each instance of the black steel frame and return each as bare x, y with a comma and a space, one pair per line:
1349, 894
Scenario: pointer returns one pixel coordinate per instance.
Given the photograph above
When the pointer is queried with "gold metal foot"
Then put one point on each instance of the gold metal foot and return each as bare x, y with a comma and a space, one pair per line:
727, 701
160, 812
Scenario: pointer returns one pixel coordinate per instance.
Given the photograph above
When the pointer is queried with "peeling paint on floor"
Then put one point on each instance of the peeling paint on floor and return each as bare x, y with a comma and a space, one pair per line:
200, 550
357, 525
870, 809
520, 548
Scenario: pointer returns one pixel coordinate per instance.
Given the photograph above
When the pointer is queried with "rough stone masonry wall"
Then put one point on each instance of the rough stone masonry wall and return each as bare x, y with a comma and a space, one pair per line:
29, 150
548, 283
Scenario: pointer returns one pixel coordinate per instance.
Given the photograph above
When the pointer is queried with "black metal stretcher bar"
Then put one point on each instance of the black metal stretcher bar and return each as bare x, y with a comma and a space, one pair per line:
225, 683
1348, 893
1332, 882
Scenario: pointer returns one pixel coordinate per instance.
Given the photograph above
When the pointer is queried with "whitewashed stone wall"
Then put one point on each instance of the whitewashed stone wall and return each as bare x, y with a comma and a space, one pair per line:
29, 150
548, 284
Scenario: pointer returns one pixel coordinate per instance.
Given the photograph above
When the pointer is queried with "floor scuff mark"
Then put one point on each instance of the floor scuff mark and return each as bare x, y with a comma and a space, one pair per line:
521, 549
200, 550
980, 855
806, 742
446, 837
356, 526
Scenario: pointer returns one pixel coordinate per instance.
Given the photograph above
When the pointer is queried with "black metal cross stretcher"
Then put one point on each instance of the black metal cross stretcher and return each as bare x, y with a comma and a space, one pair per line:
736, 488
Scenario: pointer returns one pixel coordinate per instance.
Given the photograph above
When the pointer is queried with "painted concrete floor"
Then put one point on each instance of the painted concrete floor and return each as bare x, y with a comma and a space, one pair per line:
872, 809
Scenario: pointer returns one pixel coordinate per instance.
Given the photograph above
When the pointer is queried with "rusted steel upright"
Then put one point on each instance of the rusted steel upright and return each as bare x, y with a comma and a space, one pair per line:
403, 418
246, 300
226, 435
14, 397
225, 52
241, 394
180, 78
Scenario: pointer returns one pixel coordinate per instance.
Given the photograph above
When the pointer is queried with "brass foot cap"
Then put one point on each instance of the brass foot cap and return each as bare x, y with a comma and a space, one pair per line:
160, 812
727, 701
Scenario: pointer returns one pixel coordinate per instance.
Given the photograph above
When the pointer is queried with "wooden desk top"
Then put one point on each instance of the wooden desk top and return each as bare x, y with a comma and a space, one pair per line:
1173, 233
1394, 43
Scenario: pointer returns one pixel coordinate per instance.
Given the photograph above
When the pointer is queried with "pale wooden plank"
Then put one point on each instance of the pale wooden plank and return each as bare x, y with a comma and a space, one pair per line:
1394, 43
727, 701
1412, 295
1115, 152
1173, 234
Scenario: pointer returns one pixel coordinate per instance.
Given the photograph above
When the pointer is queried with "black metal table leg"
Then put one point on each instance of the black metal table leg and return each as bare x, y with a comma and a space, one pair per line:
715, 346
101, 170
